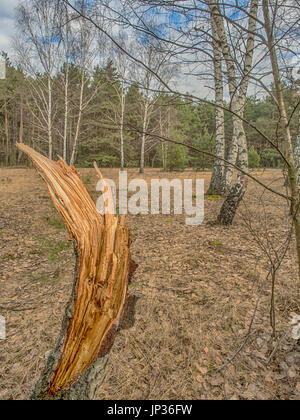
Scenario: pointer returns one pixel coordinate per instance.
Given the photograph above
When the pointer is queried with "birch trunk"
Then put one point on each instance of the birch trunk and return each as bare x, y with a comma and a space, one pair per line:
66, 119
145, 124
217, 179
49, 118
297, 154
232, 85
164, 146
67, 46
21, 128
242, 143
233, 199
288, 146
238, 151
238, 147
6, 132
77, 131
123, 98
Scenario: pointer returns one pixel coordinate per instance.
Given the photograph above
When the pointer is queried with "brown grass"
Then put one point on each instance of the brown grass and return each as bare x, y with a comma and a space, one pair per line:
195, 287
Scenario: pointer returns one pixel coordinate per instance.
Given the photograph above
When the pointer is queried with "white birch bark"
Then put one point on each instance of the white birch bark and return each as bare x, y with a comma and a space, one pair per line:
164, 131
66, 41
217, 183
122, 114
66, 119
49, 118
78, 123
145, 125
287, 144
297, 155
37, 21
243, 149
237, 90
6, 132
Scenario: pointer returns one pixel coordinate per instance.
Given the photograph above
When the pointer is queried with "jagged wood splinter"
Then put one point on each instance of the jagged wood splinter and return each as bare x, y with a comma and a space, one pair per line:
75, 367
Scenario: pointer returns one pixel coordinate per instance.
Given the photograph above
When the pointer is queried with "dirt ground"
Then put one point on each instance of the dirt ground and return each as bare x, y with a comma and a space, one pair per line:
195, 291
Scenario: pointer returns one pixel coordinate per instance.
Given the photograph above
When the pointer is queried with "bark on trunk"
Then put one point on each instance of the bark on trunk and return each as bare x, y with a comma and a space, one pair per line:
217, 179
297, 155
233, 199
49, 118
6, 132
238, 151
75, 367
78, 124
66, 120
238, 147
123, 99
292, 171
145, 123
21, 129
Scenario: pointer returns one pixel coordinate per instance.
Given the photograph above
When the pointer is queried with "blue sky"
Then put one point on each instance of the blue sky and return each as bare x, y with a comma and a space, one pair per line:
6, 23
7, 27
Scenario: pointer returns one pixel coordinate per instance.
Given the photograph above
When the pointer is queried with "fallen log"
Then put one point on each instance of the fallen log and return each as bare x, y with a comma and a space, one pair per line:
75, 367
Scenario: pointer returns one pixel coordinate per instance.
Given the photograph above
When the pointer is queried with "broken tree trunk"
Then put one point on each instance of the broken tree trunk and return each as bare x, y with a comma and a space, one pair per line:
232, 201
75, 367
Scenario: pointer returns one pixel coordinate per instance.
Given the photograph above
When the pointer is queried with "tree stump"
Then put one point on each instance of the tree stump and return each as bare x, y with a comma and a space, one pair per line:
232, 201
75, 367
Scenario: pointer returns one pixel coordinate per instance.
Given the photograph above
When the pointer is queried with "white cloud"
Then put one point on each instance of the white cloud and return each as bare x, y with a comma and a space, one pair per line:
7, 23
7, 7
193, 85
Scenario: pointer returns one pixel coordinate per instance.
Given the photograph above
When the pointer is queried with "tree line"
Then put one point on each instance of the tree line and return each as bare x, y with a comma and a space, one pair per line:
115, 112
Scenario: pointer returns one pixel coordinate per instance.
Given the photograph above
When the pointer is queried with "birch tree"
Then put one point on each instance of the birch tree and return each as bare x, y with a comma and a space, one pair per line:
217, 185
37, 48
237, 89
84, 56
67, 51
157, 62
123, 67
284, 121
297, 154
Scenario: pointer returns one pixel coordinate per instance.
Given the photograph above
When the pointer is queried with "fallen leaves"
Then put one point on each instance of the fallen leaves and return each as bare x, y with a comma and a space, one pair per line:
172, 258
202, 369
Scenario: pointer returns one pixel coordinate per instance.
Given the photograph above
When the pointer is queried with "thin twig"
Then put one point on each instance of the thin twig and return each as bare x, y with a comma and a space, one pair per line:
276, 264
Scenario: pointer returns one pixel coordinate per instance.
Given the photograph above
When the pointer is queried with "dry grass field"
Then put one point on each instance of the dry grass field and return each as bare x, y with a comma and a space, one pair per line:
194, 290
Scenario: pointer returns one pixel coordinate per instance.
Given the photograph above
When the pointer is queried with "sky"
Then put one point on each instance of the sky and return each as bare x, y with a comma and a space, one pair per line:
184, 83
7, 29
7, 23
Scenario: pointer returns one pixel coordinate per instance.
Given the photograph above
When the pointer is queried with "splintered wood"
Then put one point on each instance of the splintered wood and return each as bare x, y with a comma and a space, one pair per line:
102, 272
